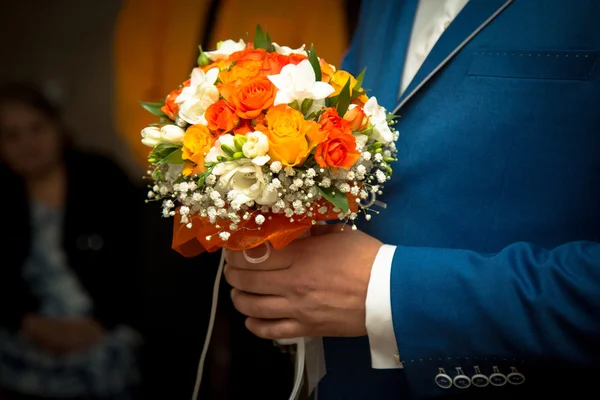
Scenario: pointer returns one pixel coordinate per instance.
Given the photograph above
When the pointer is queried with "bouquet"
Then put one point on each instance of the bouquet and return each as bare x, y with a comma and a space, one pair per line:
261, 143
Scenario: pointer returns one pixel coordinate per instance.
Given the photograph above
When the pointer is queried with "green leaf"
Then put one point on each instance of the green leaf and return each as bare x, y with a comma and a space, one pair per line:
314, 61
270, 48
391, 117
173, 158
202, 176
315, 115
344, 99
203, 58
359, 80
306, 105
161, 152
332, 101
262, 40
335, 197
294, 104
157, 174
154, 108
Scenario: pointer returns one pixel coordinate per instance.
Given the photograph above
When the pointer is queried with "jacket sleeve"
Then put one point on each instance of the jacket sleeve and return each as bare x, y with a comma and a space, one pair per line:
541, 305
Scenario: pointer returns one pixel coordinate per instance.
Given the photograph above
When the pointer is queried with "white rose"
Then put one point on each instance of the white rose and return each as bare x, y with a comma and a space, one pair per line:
153, 136
246, 179
225, 49
256, 148
198, 96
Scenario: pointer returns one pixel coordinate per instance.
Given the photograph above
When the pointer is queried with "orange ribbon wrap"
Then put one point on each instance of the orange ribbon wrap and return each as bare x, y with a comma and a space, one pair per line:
277, 230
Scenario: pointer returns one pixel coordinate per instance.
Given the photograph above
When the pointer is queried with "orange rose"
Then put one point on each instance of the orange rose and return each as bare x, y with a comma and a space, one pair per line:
221, 117
253, 96
248, 54
171, 108
221, 64
338, 151
244, 126
196, 144
274, 62
330, 120
242, 70
357, 118
295, 58
291, 137
327, 70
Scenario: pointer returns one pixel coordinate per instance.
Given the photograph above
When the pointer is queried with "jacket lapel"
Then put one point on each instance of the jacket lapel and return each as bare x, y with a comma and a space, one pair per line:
393, 32
474, 17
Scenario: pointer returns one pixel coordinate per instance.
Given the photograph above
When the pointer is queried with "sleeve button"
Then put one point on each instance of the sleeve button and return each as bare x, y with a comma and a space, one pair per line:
479, 379
497, 378
461, 381
443, 380
515, 377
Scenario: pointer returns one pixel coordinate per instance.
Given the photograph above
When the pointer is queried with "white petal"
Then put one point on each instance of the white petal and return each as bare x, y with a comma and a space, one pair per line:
371, 106
321, 90
281, 81
261, 160
224, 168
212, 75
283, 97
304, 75
172, 134
149, 142
382, 132
226, 139
196, 78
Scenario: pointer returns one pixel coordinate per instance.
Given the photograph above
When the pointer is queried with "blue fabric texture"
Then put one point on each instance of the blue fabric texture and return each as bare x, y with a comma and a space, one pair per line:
494, 204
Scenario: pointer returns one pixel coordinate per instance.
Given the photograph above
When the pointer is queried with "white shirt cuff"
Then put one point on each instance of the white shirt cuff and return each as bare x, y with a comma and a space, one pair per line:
379, 323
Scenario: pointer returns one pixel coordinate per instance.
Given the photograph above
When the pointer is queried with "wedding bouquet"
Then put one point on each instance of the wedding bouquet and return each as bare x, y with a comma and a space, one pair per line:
261, 143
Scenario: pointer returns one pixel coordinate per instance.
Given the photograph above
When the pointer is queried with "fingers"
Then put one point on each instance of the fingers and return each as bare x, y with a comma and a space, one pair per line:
275, 328
258, 282
261, 306
278, 259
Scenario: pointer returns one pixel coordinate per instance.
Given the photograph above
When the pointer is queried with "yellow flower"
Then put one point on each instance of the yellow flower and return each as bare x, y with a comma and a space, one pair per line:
338, 81
291, 137
197, 142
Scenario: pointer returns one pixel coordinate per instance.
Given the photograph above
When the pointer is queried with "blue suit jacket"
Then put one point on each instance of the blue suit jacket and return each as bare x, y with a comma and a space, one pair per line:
494, 205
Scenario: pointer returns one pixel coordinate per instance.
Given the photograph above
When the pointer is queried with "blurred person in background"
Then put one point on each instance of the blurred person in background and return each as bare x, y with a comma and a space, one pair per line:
68, 274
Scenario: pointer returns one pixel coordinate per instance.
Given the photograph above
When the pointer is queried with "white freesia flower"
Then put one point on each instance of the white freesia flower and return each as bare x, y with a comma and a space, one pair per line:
378, 118
256, 148
361, 140
225, 49
286, 51
247, 180
196, 98
217, 151
298, 82
153, 136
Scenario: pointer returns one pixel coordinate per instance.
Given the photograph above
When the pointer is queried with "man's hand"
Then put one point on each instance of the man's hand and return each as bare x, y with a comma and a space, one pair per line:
62, 335
316, 286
